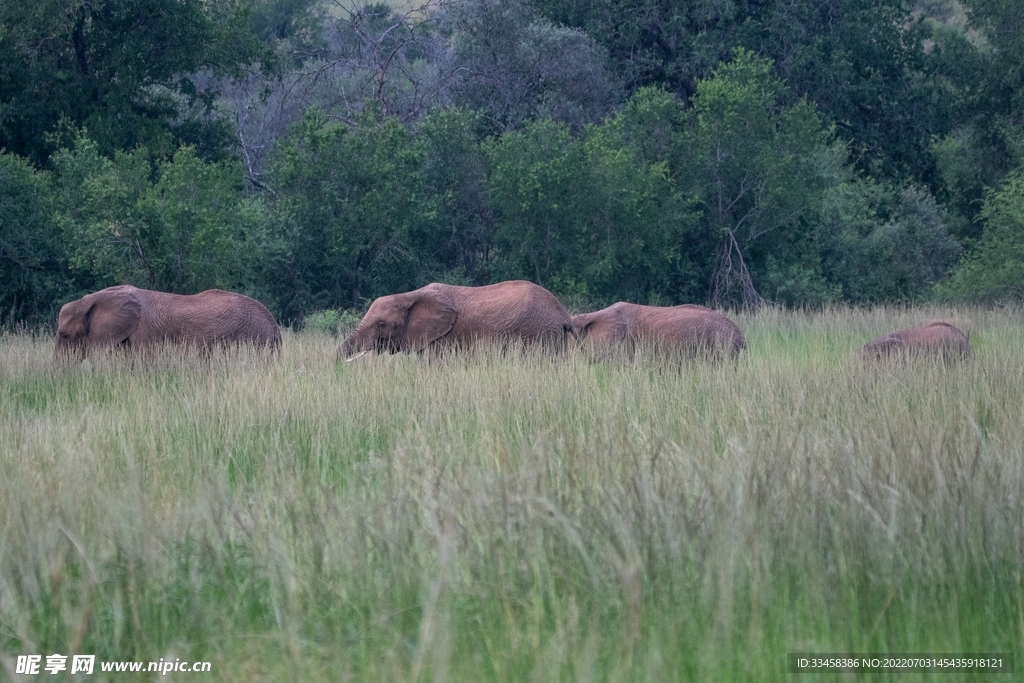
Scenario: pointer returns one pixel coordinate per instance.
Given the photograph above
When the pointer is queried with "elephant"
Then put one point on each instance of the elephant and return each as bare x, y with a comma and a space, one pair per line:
935, 339
141, 318
687, 329
440, 316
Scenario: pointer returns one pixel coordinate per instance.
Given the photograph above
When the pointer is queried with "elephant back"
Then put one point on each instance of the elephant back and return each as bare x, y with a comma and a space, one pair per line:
517, 310
938, 339
693, 328
211, 317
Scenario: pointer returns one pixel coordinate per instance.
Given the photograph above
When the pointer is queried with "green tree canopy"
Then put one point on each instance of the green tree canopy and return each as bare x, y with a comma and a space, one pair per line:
31, 259
586, 216
125, 69
995, 270
349, 206
759, 169
182, 225
862, 62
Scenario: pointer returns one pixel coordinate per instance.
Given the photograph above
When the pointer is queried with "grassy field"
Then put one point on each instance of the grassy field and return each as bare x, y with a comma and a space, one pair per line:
518, 518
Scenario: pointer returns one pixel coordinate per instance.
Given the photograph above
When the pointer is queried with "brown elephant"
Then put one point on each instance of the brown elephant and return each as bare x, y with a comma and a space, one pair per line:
935, 339
137, 318
441, 316
687, 329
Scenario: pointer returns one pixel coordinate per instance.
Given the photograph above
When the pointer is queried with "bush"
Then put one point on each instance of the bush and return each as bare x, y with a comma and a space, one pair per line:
179, 225
32, 277
332, 322
994, 271
885, 245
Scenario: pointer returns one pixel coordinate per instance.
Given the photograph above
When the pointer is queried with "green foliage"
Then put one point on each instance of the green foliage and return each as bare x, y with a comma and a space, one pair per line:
124, 69
883, 245
650, 123
983, 62
759, 170
994, 271
281, 20
350, 204
635, 224
32, 274
861, 62
864, 65
730, 152
588, 217
182, 225
455, 176
324, 322
534, 189
332, 322
515, 66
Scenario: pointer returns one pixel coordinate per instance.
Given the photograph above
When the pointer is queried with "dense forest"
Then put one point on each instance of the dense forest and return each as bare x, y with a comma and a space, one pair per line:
315, 154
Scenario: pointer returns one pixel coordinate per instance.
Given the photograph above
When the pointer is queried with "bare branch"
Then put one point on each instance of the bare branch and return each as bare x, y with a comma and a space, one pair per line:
730, 276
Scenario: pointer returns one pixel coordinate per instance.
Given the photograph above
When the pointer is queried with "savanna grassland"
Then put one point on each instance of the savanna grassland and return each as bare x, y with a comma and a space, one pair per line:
520, 517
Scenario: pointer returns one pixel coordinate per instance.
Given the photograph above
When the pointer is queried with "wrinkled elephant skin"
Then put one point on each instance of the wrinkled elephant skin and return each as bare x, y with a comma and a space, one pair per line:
936, 339
687, 329
139, 318
440, 316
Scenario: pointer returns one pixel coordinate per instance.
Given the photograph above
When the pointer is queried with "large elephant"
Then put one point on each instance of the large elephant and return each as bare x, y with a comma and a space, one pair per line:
135, 318
687, 329
441, 316
935, 339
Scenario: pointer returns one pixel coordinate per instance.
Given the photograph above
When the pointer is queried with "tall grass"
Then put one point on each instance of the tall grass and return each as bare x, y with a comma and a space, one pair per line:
515, 517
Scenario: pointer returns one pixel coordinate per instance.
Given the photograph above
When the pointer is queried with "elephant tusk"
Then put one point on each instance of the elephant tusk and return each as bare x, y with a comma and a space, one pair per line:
358, 355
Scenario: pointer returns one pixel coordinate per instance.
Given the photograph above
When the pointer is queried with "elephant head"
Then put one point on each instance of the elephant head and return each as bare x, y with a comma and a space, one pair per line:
601, 328
105, 318
403, 322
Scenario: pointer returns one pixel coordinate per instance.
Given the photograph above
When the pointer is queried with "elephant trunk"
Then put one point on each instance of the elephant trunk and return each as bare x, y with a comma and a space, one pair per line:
346, 349
355, 343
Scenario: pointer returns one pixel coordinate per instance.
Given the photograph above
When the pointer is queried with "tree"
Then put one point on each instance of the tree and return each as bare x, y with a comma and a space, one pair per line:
635, 225
455, 174
881, 244
122, 68
33, 276
349, 202
181, 225
534, 182
994, 271
297, 21
861, 62
588, 217
514, 66
758, 170
361, 56
983, 63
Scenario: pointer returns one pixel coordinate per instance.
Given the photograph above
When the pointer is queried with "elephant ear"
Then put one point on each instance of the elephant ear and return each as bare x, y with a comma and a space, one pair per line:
113, 316
611, 326
430, 317
582, 324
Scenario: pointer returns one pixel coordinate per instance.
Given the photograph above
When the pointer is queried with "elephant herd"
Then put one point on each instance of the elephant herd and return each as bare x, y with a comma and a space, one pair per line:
439, 317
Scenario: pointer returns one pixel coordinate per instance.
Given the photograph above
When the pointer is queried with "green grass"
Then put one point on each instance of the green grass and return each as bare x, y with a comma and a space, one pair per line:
518, 517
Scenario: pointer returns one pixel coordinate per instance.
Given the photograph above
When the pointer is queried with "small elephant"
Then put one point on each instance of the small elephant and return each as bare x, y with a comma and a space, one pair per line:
135, 318
935, 339
690, 329
440, 316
